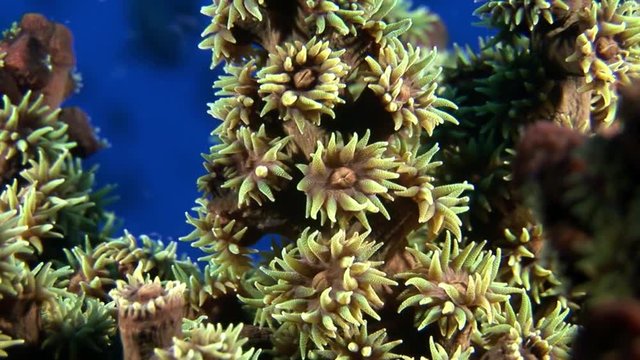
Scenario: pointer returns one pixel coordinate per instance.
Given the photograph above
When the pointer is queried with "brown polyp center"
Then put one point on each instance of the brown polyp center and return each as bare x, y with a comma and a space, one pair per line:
343, 178
75, 281
606, 48
320, 280
147, 292
304, 79
458, 279
405, 93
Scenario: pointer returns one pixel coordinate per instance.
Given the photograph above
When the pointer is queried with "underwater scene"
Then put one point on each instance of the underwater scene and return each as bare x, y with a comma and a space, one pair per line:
320, 179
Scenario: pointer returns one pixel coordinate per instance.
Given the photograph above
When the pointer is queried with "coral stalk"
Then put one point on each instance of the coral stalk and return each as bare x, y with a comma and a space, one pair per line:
149, 314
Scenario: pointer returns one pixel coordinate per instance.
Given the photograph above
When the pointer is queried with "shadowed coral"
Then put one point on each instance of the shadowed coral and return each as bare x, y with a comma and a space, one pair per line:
43, 283
12, 248
93, 276
229, 260
519, 335
64, 195
6, 342
526, 263
450, 284
38, 288
205, 292
511, 86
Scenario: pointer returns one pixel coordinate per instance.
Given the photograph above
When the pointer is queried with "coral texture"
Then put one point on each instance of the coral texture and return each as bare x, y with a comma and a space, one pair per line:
422, 204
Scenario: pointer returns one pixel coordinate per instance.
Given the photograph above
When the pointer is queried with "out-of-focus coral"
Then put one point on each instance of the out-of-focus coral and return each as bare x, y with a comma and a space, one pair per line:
38, 57
74, 323
427, 28
611, 330
586, 191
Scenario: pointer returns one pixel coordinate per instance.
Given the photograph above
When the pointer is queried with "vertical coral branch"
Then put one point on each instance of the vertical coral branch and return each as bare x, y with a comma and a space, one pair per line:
149, 314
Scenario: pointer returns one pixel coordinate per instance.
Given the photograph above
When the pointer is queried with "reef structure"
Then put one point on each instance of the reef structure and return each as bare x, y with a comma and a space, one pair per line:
485, 209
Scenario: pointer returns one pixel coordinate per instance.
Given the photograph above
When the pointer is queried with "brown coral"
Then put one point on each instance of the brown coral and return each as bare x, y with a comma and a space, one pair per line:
149, 314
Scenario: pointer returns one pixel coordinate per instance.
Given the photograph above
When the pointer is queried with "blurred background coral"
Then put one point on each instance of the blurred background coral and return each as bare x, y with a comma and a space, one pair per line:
146, 84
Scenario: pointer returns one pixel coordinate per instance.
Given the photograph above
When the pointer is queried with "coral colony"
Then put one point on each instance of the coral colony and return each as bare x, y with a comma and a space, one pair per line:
488, 208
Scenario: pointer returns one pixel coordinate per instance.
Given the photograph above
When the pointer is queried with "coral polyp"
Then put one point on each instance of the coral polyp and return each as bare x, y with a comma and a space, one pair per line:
406, 84
324, 287
343, 16
252, 164
240, 91
519, 335
75, 323
361, 345
449, 285
608, 51
208, 341
302, 81
230, 260
348, 179
521, 15
438, 206
27, 128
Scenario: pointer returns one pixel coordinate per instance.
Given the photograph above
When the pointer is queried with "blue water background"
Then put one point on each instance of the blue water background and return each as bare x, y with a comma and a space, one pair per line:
146, 86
